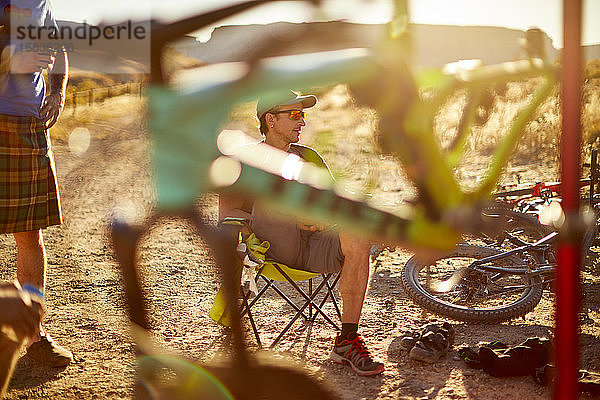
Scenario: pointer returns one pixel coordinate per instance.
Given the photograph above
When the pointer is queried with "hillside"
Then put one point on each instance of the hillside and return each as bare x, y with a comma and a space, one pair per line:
434, 44
105, 56
108, 62
591, 52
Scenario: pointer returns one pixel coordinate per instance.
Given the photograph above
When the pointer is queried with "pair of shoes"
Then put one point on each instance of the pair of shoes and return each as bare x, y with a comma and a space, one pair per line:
430, 343
48, 352
410, 339
354, 353
431, 347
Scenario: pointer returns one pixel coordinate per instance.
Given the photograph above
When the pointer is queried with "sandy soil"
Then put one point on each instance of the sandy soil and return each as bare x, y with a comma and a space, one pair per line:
86, 307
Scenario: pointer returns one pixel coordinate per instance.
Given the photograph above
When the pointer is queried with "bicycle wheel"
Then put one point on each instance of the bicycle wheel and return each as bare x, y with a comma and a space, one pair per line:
474, 296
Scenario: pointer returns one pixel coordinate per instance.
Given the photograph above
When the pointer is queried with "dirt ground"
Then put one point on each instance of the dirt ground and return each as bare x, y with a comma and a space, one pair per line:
86, 311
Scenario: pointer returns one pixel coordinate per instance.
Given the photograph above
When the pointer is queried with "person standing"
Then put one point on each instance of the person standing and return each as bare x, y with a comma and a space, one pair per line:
29, 199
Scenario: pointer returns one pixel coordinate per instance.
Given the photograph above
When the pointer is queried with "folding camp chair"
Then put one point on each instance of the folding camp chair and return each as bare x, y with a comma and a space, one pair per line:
258, 270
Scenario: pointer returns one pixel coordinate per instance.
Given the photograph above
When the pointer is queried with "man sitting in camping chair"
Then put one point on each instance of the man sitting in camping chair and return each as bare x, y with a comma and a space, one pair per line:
309, 246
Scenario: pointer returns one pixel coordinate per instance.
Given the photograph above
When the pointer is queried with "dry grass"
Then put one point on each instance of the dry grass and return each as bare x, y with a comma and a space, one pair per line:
86, 80
343, 133
539, 139
128, 106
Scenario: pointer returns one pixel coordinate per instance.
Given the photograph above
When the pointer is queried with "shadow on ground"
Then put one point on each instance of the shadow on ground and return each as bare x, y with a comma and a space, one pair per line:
29, 374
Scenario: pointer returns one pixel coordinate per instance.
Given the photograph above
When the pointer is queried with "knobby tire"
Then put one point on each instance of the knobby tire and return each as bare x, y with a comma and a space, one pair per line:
528, 300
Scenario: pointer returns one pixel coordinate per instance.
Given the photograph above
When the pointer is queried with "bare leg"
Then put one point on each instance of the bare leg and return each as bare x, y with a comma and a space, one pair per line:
31, 261
349, 348
31, 258
31, 268
354, 279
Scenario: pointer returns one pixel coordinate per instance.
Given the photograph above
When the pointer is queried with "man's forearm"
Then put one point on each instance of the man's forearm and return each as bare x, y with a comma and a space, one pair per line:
59, 75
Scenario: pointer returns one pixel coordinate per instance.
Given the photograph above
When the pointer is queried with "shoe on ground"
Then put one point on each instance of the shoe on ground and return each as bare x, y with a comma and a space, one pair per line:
433, 344
354, 353
48, 352
409, 340
470, 356
430, 348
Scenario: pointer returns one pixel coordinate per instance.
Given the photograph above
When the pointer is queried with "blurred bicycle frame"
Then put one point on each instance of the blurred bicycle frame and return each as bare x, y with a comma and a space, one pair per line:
189, 153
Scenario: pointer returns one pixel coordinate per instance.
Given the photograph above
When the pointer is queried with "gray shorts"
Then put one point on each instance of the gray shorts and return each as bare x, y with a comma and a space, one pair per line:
310, 251
320, 252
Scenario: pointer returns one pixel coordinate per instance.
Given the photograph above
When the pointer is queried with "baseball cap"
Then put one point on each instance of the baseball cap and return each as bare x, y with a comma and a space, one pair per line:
267, 103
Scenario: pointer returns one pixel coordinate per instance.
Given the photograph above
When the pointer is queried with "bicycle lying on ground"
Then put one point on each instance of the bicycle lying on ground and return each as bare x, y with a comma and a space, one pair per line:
490, 283
480, 284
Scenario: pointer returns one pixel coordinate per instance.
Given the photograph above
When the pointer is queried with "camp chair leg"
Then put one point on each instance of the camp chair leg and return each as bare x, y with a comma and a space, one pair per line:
310, 292
303, 294
325, 278
287, 299
314, 316
308, 302
333, 299
329, 294
299, 310
246, 308
257, 297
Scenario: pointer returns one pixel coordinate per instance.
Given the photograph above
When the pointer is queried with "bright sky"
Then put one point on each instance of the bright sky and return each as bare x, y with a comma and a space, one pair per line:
519, 14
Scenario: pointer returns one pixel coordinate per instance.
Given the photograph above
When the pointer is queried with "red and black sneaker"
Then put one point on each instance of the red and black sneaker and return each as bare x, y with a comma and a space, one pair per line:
354, 353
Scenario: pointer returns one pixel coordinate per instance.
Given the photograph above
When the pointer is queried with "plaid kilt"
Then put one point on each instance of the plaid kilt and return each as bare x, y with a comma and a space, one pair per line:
28, 189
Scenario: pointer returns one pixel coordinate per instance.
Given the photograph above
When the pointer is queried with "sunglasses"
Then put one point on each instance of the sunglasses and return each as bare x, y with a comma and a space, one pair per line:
293, 114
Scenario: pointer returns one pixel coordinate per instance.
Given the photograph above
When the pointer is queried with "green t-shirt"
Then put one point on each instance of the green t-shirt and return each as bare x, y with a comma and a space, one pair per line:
306, 153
